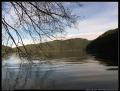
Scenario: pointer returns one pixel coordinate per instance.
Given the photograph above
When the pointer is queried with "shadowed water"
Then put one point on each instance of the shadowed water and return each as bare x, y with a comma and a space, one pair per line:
62, 73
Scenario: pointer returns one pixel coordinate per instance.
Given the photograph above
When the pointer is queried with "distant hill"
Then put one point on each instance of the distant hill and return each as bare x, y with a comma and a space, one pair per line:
105, 46
57, 48
6, 50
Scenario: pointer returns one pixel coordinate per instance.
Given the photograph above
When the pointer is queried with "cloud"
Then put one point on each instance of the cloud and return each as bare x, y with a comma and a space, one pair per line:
99, 17
89, 36
94, 26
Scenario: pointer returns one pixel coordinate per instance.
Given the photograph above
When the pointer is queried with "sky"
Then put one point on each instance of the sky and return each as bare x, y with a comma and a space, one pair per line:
96, 18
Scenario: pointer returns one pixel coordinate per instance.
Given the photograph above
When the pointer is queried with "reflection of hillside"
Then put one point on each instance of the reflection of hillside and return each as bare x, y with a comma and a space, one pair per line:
106, 62
105, 46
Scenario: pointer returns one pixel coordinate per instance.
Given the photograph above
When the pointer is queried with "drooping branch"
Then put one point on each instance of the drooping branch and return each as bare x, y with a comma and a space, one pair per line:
42, 19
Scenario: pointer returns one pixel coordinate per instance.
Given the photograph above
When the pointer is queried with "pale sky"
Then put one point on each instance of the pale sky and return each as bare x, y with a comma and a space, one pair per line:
96, 18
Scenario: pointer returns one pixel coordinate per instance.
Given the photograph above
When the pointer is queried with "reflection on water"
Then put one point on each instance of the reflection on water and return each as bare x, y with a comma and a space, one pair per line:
64, 73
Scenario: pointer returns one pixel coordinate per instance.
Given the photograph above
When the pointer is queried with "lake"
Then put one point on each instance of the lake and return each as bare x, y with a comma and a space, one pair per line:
63, 73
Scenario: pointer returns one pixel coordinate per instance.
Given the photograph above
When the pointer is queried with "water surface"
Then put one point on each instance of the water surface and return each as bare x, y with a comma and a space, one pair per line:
62, 73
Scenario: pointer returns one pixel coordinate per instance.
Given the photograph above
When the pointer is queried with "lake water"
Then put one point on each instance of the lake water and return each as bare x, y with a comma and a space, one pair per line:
63, 73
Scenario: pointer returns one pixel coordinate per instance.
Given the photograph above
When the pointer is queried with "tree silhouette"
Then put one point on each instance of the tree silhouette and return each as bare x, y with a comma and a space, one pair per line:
37, 20
41, 19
